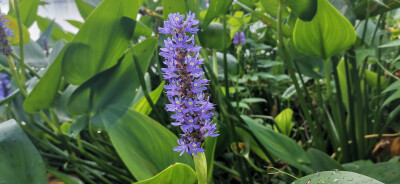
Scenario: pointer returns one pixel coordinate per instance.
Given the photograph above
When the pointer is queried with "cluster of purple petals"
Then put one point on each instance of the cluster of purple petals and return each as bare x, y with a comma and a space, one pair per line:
5, 33
5, 86
239, 39
186, 86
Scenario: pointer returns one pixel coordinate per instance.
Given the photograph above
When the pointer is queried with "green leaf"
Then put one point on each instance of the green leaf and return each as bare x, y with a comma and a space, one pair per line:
143, 144
279, 145
304, 9
103, 38
322, 36
372, 79
20, 160
177, 173
43, 94
13, 25
142, 30
209, 145
120, 80
57, 32
336, 177
75, 23
174, 6
394, 43
271, 7
143, 105
284, 121
212, 37
215, 9
253, 100
386, 172
28, 10
247, 138
320, 161
84, 8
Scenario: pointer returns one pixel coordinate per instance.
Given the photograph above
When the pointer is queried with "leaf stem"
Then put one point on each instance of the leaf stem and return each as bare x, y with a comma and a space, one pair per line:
200, 164
15, 4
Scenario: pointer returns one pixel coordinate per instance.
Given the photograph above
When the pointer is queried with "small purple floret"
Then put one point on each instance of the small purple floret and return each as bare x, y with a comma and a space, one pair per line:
239, 39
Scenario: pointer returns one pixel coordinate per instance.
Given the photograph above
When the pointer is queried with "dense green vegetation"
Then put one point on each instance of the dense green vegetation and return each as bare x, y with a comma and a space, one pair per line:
305, 91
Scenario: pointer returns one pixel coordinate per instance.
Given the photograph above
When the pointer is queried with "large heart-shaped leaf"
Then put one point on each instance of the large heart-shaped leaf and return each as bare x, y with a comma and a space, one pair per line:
386, 172
144, 145
322, 36
212, 37
115, 86
280, 145
84, 8
105, 35
304, 9
20, 162
177, 174
336, 177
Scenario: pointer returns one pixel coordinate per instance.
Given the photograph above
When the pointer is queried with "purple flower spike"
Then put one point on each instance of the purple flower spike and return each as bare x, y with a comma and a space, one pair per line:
239, 39
186, 87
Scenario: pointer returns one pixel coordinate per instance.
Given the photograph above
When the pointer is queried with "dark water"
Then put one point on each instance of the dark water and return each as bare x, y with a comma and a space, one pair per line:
59, 10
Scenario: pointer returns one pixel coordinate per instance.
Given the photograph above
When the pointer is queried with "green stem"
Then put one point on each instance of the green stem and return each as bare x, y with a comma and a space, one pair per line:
293, 77
200, 164
225, 59
328, 79
215, 62
15, 4
14, 72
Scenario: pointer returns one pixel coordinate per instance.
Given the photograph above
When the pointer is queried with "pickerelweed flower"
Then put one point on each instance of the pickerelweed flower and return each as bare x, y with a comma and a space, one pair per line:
5, 33
5, 86
239, 39
186, 85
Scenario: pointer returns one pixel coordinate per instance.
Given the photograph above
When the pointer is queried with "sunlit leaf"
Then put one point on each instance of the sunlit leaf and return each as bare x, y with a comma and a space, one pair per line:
177, 173
322, 36
304, 9
336, 177
216, 8
13, 25
143, 105
284, 121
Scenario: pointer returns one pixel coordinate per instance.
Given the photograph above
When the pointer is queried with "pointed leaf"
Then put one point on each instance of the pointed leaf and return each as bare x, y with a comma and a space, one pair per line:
143, 105
216, 8
304, 9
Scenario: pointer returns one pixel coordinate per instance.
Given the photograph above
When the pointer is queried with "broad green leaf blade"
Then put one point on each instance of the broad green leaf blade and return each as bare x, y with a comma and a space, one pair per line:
304, 9
28, 10
57, 32
279, 145
144, 145
174, 6
394, 43
20, 161
253, 100
336, 177
13, 25
143, 105
284, 121
322, 36
106, 35
114, 86
43, 94
320, 161
386, 172
84, 8
212, 37
177, 173
217, 7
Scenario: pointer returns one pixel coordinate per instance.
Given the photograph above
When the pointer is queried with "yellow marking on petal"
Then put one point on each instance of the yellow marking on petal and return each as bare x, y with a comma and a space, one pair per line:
171, 48
177, 102
176, 18
194, 145
190, 103
191, 121
180, 39
192, 63
203, 111
182, 143
195, 84
170, 63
